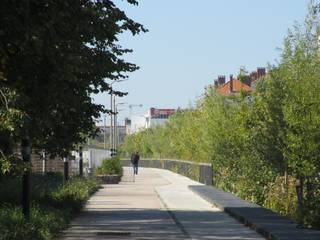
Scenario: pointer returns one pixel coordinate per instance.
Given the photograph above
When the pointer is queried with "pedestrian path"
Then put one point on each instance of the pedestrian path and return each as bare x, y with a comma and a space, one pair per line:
198, 217
157, 205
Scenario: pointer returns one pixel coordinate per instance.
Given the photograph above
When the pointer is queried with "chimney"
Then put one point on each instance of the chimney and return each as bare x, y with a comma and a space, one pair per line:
216, 84
221, 80
231, 83
261, 71
253, 76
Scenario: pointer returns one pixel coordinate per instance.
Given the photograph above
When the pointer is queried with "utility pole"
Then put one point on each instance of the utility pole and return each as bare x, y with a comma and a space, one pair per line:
111, 122
113, 116
114, 125
104, 131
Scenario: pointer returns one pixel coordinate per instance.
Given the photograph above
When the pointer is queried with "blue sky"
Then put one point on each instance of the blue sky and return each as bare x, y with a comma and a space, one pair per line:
190, 42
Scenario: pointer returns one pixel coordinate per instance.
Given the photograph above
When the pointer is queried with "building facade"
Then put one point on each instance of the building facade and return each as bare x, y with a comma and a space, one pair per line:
154, 117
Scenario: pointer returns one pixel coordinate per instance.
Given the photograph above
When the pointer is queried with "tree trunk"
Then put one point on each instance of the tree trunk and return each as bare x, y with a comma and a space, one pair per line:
25, 152
80, 162
299, 191
66, 169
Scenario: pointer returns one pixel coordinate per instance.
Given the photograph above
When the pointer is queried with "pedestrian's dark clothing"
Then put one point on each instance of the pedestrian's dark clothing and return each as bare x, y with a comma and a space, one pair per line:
136, 159
135, 162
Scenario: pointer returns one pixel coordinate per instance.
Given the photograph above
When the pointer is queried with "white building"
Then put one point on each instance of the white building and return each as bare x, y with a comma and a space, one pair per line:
154, 117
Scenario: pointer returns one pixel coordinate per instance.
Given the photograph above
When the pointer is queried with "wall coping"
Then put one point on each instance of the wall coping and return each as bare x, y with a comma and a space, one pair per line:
171, 160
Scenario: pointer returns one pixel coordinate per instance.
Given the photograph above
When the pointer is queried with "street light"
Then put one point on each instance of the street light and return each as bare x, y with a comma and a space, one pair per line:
116, 130
113, 115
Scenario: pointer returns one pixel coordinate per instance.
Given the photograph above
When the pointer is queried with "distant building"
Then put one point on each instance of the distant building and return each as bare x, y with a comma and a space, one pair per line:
234, 85
154, 117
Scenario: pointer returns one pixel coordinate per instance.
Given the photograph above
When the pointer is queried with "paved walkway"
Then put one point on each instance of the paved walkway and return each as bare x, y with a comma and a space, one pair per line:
157, 205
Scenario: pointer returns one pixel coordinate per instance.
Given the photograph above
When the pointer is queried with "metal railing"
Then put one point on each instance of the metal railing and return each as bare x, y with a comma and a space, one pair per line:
201, 172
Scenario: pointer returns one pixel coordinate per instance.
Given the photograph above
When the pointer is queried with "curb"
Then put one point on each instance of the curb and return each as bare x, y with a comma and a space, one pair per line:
264, 221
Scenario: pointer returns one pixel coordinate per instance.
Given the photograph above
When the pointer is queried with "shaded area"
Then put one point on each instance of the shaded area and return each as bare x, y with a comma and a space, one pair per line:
153, 224
264, 221
124, 224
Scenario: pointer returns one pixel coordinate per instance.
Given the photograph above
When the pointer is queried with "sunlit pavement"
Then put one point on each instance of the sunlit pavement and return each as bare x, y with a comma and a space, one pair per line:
156, 204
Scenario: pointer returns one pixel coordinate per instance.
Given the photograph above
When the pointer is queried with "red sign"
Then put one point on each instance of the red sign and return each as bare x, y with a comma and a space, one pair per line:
161, 113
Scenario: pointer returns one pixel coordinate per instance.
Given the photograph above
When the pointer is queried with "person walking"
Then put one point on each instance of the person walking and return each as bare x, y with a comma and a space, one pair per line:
135, 161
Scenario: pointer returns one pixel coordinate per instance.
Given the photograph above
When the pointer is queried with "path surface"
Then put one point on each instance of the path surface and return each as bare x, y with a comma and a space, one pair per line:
157, 205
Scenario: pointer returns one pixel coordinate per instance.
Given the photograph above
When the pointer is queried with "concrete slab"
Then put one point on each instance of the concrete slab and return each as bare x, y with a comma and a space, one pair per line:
197, 216
264, 221
157, 205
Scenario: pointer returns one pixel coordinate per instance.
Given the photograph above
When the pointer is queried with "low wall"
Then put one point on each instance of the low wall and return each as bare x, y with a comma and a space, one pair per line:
201, 172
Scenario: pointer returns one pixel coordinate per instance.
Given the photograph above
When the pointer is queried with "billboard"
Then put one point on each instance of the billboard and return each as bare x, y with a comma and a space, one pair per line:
161, 113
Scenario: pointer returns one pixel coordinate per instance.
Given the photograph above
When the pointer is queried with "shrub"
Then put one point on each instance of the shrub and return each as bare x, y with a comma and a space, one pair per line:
41, 185
282, 196
51, 210
73, 194
110, 166
43, 225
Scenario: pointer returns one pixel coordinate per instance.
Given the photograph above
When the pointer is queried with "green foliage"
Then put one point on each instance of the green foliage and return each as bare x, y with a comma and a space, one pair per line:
54, 204
282, 196
73, 194
44, 223
110, 166
42, 186
254, 145
10, 122
51, 64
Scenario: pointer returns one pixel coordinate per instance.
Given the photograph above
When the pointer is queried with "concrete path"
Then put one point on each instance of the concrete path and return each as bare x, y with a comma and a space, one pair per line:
157, 205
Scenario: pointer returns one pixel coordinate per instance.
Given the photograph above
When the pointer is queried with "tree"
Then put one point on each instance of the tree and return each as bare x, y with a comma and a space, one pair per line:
54, 55
57, 54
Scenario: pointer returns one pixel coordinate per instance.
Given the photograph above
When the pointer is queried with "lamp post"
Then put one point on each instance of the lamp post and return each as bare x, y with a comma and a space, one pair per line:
104, 131
113, 115
116, 130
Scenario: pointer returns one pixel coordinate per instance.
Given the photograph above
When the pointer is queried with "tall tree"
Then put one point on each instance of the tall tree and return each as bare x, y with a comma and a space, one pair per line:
54, 55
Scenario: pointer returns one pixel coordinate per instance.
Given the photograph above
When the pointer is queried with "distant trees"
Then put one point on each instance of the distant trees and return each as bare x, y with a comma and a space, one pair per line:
266, 150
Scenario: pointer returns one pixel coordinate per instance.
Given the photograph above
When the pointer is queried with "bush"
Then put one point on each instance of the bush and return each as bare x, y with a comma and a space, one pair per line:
41, 185
110, 166
53, 205
73, 194
281, 196
43, 225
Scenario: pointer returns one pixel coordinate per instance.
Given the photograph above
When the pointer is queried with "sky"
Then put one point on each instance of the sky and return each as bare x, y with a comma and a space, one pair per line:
190, 43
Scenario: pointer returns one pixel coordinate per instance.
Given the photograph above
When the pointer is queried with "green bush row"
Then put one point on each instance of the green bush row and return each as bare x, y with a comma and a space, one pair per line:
41, 186
52, 208
110, 166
